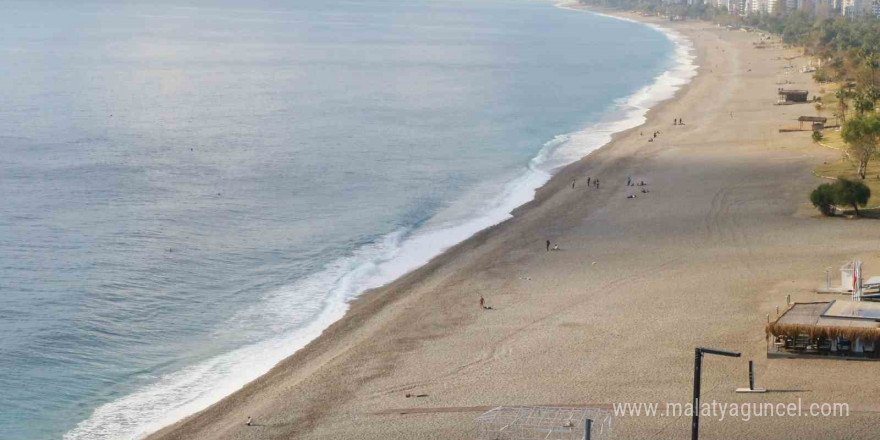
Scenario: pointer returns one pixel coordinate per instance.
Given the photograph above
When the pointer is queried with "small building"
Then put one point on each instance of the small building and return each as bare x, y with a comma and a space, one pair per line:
790, 96
848, 276
817, 122
844, 329
849, 271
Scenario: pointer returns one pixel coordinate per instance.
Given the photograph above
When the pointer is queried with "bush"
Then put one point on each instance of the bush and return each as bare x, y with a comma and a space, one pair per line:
851, 192
823, 198
817, 136
841, 192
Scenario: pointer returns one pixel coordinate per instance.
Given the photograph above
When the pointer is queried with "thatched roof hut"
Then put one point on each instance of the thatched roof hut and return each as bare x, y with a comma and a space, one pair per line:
829, 320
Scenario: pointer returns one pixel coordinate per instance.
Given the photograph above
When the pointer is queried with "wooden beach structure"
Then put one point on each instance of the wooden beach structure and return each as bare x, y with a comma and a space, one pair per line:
792, 96
817, 123
832, 329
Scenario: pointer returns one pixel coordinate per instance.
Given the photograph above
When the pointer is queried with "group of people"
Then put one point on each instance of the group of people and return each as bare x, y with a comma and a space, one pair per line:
629, 182
593, 182
677, 121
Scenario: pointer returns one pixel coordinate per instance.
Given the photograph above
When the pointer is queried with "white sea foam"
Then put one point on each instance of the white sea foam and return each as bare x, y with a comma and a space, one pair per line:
299, 313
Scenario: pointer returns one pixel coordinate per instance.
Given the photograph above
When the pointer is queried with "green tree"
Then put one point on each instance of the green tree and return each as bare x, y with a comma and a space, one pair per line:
842, 95
870, 60
864, 103
851, 192
823, 198
861, 135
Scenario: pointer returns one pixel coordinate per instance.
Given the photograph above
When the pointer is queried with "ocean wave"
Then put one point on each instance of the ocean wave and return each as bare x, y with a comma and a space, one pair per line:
299, 313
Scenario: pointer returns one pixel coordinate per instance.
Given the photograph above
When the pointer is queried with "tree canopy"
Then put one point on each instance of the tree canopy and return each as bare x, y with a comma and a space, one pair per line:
862, 135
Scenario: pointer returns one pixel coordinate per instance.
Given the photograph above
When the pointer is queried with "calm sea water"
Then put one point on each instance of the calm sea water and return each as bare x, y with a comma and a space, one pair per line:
192, 190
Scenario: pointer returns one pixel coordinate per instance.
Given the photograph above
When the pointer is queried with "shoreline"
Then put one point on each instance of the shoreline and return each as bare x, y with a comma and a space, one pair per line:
685, 60
613, 317
532, 178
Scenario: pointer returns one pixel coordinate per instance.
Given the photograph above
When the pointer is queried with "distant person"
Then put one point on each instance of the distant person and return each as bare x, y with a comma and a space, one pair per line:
548, 245
588, 181
628, 181
249, 421
674, 121
482, 302
572, 183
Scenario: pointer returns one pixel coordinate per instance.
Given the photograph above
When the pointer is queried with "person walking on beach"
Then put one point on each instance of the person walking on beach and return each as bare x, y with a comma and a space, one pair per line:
482, 302
572, 183
628, 181
588, 181
249, 422
548, 245
597, 183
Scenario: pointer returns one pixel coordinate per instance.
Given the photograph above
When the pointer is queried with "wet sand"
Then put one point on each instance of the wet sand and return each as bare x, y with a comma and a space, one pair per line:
725, 233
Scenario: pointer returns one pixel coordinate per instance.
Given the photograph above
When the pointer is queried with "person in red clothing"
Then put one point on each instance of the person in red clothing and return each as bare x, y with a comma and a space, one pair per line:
482, 302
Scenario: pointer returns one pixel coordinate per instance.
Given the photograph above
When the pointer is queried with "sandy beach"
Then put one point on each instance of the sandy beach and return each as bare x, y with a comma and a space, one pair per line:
725, 232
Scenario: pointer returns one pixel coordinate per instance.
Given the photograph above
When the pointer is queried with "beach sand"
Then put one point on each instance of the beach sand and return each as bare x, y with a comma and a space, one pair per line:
725, 233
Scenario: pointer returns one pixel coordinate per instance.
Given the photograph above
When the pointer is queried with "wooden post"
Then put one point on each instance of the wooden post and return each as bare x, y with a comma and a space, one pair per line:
751, 388
751, 375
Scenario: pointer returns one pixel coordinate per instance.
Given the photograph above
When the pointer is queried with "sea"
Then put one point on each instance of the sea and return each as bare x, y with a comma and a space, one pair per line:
193, 190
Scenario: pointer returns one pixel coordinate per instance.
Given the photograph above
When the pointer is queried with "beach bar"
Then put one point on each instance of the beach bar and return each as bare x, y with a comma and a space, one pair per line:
843, 329
792, 96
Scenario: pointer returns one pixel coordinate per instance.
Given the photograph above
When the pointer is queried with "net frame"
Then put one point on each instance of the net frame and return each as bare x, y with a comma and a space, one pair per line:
543, 423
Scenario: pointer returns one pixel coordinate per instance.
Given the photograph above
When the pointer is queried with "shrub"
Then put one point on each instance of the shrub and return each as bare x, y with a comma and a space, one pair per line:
823, 198
851, 192
817, 136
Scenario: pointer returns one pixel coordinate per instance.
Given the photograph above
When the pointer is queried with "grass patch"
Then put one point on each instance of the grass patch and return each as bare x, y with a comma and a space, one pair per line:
844, 168
832, 139
829, 102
